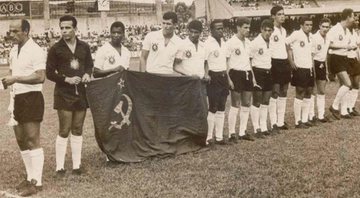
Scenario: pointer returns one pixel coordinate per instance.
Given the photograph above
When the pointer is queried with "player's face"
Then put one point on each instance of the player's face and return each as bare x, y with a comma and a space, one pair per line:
266, 32
217, 31
307, 27
279, 17
194, 35
168, 26
351, 20
324, 27
117, 35
67, 30
16, 34
356, 23
244, 30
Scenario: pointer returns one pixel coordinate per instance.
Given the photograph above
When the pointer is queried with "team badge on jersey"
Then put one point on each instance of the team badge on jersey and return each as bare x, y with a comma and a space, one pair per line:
340, 37
237, 52
112, 60
302, 43
154, 47
216, 53
188, 54
74, 64
319, 47
261, 51
276, 38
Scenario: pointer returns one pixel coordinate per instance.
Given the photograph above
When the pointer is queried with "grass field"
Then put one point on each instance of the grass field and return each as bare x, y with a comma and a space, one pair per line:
322, 161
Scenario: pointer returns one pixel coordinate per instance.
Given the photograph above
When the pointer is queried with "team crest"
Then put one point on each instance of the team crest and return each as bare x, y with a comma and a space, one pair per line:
276, 38
302, 43
340, 37
237, 52
74, 64
261, 51
112, 60
154, 47
188, 54
319, 47
216, 53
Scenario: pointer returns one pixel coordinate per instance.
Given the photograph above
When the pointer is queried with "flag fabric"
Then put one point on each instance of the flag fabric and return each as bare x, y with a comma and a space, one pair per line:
140, 115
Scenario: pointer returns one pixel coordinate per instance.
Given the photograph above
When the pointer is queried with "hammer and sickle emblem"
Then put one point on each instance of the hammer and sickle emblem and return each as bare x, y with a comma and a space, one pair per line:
125, 115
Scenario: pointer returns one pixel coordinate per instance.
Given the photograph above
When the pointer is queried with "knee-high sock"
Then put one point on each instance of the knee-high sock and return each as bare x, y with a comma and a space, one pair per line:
320, 101
76, 145
60, 148
273, 111
37, 164
244, 117
344, 103
297, 110
312, 107
219, 125
254, 113
211, 125
281, 108
353, 97
339, 95
232, 117
305, 110
263, 117
27, 162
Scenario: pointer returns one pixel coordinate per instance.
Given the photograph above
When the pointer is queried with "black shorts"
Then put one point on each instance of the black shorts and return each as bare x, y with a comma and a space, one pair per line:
243, 80
303, 78
263, 79
280, 71
29, 107
320, 70
353, 67
66, 98
217, 91
338, 63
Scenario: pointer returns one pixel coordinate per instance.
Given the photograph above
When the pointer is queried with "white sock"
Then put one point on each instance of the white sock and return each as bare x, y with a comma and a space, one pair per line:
76, 144
305, 110
312, 107
339, 95
320, 101
254, 113
273, 111
297, 110
60, 148
27, 162
344, 104
37, 163
281, 108
263, 117
232, 118
353, 95
244, 117
219, 125
211, 125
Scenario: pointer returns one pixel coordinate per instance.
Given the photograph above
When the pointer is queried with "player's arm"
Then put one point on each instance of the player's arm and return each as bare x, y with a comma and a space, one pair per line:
206, 68
98, 73
35, 78
290, 56
178, 68
143, 60
231, 84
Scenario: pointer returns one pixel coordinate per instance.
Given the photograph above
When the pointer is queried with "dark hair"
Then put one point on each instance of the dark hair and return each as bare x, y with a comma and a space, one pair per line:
303, 19
275, 10
346, 13
241, 21
69, 18
325, 20
117, 24
25, 25
212, 24
267, 23
195, 24
170, 15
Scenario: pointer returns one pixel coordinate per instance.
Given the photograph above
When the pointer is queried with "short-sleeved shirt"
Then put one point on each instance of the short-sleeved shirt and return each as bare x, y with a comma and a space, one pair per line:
354, 40
260, 53
277, 43
339, 36
301, 45
161, 58
215, 54
320, 46
192, 58
238, 53
107, 57
31, 58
